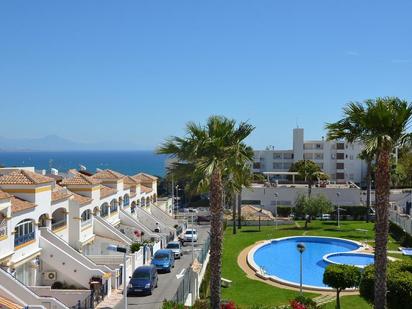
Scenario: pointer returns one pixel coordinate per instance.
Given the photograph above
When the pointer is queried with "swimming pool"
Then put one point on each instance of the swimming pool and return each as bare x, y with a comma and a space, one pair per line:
279, 259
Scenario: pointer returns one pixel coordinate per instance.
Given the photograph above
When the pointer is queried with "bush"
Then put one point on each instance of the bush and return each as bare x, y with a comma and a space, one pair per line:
399, 235
399, 283
341, 277
134, 247
284, 211
168, 304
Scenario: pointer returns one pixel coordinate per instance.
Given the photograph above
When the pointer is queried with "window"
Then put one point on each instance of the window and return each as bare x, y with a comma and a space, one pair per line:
126, 200
340, 176
277, 155
287, 166
104, 210
113, 206
288, 156
86, 215
318, 156
24, 232
340, 166
340, 156
340, 146
318, 146
308, 156
277, 166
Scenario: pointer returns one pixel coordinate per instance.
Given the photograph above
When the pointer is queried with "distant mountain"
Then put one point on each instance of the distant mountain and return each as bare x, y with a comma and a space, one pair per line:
57, 143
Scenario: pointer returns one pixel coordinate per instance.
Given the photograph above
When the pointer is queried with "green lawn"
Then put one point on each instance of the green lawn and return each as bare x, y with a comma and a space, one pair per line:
247, 292
352, 302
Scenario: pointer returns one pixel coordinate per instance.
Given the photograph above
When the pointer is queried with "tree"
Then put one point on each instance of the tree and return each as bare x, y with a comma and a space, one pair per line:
381, 125
317, 205
368, 156
210, 153
341, 277
309, 171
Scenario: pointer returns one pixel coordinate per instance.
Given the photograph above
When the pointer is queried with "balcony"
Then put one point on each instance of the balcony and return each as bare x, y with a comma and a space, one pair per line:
59, 225
23, 239
86, 222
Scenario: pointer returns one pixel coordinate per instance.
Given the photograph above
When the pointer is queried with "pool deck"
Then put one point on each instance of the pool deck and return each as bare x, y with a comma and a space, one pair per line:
251, 274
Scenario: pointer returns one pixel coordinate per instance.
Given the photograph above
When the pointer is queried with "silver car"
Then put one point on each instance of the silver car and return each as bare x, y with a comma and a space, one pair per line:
176, 248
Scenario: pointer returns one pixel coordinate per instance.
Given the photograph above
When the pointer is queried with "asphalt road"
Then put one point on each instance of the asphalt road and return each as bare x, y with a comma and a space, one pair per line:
168, 282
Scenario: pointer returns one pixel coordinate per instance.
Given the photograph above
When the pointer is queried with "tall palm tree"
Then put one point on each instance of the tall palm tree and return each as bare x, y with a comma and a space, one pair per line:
381, 124
212, 151
368, 156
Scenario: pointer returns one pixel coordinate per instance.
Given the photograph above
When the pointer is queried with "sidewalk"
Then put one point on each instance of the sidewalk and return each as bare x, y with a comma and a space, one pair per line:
113, 300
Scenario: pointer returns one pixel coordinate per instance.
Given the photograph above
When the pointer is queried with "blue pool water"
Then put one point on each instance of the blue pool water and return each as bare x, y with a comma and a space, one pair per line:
357, 259
280, 258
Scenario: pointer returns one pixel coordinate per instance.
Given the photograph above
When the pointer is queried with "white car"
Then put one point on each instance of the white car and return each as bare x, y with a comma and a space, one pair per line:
176, 248
189, 235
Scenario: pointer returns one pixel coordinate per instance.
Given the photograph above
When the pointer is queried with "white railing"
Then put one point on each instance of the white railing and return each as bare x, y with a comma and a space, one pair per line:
86, 222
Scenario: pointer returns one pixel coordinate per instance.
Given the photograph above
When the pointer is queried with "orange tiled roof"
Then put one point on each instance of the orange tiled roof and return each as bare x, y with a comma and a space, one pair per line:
133, 194
4, 195
108, 174
59, 193
144, 177
126, 187
23, 177
18, 204
81, 200
130, 180
106, 191
79, 179
146, 189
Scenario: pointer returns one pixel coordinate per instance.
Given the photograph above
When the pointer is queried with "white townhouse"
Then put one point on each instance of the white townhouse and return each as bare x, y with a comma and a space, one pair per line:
59, 232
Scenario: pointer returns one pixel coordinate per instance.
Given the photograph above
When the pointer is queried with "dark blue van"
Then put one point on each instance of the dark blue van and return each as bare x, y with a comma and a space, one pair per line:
143, 280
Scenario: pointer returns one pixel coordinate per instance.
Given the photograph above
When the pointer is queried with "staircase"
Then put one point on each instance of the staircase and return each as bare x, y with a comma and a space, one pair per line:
162, 216
150, 221
127, 219
104, 228
23, 295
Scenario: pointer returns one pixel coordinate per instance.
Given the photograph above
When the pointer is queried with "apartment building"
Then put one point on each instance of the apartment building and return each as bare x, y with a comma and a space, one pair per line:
57, 229
339, 159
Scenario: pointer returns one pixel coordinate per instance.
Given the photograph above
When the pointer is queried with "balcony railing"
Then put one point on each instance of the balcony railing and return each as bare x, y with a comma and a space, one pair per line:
59, 224
19, 240
3, 231
86, 222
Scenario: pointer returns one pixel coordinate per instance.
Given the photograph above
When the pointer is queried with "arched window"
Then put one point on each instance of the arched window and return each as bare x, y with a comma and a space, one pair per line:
142, 202
86, 217
133, 207
59, 218
104, 210
24, 232
126, 200
113, 206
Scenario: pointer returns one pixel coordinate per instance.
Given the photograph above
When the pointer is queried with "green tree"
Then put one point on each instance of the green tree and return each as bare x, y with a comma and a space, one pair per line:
381, 125
308, 171
317, 205
341, 277
210, 153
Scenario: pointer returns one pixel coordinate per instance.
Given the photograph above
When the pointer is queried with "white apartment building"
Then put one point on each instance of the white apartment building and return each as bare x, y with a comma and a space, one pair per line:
339, 159
54, 229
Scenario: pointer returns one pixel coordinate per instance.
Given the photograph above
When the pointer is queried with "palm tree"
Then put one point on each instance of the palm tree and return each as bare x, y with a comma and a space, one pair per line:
381, 125
368, 156
309, 171
213, 151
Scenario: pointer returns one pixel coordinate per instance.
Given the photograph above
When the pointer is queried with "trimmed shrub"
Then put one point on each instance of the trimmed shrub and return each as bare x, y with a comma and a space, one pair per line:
399, 283
284, 211
400, 235
134, 247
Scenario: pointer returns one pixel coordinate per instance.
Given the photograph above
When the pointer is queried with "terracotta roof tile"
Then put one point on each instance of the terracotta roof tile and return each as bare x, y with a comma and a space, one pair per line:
130, 180
81, 200
106, 191
146, 189
79, 179
133, 194
18, 204
59, 193
23, 177
108, 174
4, 195
144, 177
126, 187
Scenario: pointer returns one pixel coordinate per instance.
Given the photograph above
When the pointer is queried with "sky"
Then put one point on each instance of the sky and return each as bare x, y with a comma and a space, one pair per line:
137, 71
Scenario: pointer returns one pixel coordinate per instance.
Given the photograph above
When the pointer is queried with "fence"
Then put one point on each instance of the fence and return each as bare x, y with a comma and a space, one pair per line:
404, 221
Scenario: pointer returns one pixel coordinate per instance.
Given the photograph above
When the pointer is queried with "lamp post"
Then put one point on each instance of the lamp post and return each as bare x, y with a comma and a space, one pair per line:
337, 201
301, 249
276, 210
177, 197
124, 251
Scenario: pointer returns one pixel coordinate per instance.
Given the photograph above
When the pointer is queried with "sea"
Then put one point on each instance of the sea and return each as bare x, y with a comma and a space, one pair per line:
125, 162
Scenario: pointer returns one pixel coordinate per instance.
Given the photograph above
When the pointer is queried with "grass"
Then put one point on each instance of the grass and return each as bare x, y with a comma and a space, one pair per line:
352, 302
247, 292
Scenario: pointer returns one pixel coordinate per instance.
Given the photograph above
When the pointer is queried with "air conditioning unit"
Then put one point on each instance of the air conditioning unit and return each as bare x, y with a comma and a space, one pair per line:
50, 275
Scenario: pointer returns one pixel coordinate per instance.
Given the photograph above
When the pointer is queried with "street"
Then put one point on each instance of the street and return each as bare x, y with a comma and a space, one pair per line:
169, 282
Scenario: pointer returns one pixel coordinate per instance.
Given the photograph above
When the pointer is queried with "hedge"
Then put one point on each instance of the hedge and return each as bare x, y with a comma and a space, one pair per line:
400, 235
399, 284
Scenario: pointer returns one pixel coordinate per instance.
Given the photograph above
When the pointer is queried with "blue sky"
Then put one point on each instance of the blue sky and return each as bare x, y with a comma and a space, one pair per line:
137, 71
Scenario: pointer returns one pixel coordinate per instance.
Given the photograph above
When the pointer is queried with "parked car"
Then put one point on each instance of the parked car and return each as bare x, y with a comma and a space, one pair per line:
189, 235
324, 217
201, 219
143, 280
164, 260
176, 248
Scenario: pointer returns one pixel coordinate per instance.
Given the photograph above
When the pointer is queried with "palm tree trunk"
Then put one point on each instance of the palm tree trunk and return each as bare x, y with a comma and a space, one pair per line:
234, 206
216, 237
368, 189
309, 188
239, 211
382, 225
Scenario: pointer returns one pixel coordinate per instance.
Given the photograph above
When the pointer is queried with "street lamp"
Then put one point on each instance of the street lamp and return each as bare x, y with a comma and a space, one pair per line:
276, 210
124, 251
301, 249
337, 201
